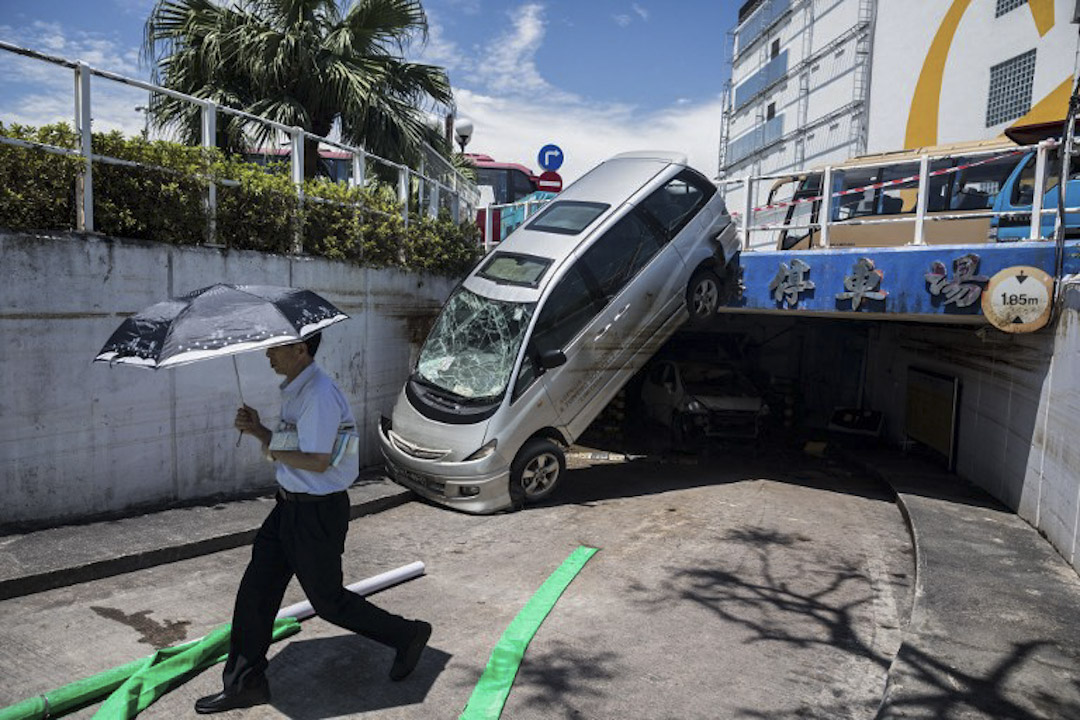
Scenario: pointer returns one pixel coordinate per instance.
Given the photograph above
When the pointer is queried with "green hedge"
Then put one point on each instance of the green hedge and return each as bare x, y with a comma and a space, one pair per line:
162, 200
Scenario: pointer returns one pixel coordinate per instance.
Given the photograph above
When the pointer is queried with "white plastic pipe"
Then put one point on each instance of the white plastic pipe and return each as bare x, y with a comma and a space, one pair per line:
303, 610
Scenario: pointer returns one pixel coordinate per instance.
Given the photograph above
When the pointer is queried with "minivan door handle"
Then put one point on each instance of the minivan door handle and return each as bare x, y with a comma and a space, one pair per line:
620, 313
602, 332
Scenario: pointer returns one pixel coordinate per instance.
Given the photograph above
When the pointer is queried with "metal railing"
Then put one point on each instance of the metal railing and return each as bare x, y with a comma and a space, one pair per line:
443, 187
822, 202
527, 209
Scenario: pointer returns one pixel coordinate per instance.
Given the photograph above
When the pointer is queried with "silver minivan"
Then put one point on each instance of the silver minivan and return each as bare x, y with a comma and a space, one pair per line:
547, 328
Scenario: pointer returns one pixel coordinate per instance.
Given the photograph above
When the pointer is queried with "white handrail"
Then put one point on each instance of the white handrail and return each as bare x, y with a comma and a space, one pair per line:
209, 110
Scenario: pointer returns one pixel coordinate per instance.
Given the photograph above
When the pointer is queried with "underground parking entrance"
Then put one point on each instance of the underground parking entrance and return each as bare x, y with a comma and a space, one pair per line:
967, 397
746, 384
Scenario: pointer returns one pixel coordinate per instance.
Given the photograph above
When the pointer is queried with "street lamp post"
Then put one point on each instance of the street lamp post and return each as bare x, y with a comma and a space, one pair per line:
146, 120
463, 131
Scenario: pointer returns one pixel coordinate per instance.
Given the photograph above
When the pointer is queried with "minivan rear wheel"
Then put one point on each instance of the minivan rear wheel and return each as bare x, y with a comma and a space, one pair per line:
703, 297
536, 472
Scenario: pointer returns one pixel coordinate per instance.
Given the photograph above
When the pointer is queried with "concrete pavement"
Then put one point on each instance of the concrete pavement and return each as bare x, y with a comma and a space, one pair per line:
46, 559
994, 630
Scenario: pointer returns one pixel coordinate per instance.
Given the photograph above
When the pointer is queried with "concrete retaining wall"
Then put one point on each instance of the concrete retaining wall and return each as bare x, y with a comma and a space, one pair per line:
81, 439
1019, 410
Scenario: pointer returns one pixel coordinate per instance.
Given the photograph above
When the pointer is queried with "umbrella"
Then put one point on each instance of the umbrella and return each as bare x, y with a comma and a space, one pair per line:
216, 321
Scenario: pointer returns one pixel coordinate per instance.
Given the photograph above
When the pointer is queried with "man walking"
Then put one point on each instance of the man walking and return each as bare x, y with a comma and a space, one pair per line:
304, 533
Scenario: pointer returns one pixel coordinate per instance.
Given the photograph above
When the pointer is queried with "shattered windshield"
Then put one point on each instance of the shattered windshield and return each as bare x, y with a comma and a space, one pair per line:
471, 350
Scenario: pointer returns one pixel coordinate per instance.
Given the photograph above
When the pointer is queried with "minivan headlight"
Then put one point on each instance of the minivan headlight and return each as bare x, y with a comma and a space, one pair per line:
487, 450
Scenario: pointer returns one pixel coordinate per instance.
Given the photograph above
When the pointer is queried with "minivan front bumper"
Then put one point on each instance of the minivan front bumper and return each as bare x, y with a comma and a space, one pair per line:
472, 486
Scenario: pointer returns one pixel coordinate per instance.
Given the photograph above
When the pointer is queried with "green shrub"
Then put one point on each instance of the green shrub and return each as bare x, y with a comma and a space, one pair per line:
145, 202
163, 198
37, 189
261, 213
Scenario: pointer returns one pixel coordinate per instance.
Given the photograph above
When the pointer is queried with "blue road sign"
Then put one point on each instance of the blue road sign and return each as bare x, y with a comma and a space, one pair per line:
550, 157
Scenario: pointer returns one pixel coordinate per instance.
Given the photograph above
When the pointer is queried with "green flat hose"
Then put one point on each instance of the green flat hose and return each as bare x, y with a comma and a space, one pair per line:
133, 687
491, 691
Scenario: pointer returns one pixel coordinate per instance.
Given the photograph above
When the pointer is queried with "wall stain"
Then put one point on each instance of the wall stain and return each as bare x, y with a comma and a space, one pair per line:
158, 635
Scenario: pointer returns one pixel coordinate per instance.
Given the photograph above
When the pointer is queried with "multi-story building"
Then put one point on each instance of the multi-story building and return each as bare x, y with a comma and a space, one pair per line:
818, 81
800, 84
954, 71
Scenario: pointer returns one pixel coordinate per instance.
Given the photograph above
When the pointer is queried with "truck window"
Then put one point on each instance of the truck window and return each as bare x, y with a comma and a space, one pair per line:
976, 188
1023, 193
802, 214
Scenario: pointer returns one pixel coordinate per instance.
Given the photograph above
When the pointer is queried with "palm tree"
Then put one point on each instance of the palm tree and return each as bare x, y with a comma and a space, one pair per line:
305, 63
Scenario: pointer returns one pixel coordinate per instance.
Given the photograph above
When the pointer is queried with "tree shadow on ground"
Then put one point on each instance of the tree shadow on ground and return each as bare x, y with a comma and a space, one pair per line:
946, 692
775, 611
347, 675
550, 676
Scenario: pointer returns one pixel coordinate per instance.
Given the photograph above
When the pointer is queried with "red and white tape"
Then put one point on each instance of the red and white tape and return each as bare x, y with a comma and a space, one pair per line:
888, 183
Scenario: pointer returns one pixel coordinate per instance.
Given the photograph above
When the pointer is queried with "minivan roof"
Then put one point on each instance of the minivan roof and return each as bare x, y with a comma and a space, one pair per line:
612, 183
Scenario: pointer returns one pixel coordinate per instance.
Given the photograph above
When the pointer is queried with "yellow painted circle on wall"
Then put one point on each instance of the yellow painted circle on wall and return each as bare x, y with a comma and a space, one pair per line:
1018, 299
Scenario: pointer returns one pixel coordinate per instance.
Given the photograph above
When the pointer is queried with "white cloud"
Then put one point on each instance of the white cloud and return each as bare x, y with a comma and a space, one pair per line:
35, 92
514, 130
622, 20
469, 7
515, 113
642, 12
509, 63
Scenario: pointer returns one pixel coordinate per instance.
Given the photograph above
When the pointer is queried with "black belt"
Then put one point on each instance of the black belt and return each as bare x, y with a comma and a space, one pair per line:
285, 495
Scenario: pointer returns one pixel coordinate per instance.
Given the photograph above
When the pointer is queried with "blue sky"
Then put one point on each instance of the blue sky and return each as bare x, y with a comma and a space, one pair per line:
593, 76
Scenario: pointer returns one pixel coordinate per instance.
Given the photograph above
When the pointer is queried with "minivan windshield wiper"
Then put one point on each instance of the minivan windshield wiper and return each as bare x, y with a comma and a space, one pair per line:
449, 395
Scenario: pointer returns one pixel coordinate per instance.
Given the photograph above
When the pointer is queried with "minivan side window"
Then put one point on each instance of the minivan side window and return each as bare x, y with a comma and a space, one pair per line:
678, 201
571, 305
597, 276
620, 254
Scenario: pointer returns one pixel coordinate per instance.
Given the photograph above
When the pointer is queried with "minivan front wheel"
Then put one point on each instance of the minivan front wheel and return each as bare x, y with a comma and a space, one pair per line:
703, 297
536, 472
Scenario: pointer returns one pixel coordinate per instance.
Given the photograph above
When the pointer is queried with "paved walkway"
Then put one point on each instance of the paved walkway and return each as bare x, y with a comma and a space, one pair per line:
46, 559
994, 631
995, 626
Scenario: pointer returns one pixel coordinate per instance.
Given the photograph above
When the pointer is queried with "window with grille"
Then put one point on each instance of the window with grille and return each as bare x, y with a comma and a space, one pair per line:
1004, 6
1010, 89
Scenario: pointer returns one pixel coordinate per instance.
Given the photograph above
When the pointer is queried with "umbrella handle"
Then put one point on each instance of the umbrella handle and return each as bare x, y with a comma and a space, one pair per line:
239, 389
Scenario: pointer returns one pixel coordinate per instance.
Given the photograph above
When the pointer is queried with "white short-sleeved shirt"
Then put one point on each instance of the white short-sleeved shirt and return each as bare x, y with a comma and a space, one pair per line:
317, 409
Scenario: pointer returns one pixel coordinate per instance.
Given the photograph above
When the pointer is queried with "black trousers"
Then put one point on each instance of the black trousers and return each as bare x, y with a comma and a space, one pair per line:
306, 539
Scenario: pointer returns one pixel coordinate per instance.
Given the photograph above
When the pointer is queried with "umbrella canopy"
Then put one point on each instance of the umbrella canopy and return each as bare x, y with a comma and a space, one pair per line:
216, 321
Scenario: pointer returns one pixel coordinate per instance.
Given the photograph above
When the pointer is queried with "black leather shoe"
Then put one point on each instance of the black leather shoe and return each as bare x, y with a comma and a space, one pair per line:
256, 693
407, 657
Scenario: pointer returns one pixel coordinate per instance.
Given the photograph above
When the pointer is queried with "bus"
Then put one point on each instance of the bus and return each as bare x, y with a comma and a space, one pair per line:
984, 190
504, 184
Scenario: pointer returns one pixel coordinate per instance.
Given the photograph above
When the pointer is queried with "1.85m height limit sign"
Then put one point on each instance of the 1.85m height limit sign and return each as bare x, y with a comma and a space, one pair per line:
1018, 299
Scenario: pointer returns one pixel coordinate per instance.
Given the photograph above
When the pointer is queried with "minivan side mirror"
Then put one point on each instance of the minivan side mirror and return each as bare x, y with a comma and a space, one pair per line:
550, 359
